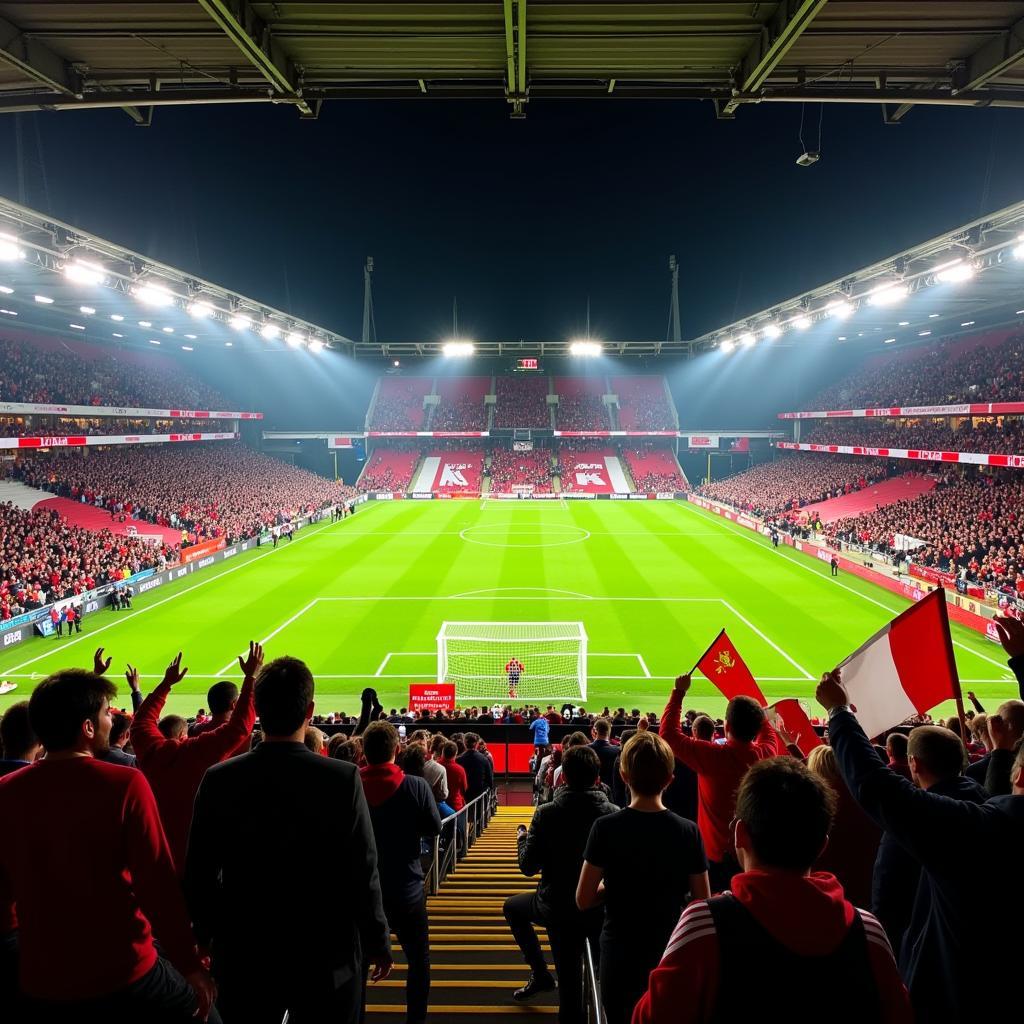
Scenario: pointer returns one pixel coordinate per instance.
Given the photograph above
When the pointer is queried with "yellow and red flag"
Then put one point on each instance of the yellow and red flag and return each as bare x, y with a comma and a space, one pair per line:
726, 669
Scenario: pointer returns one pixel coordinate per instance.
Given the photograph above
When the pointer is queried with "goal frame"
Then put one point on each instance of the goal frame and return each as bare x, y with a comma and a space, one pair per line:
574, 630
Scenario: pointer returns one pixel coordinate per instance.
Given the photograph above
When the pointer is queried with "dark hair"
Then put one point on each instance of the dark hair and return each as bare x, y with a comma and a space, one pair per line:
580, 767
172, 726
449, 750
648, 764
221, 696
472, 740
575, 739
16, 735
703, 728
414, 758
939, 750
744, 717
62, 702
380, 741
335, 743
788, 811
602, 727
896, 746
119, 726
283, 693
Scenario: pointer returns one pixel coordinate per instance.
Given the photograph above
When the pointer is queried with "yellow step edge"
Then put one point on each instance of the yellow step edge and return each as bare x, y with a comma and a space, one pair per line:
484, 1011
470, 968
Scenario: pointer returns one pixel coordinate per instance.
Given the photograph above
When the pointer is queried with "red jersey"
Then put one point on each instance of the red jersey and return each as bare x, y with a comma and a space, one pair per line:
514, 667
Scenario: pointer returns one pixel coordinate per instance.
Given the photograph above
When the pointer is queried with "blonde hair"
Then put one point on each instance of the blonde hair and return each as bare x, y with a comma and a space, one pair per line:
822, 761
647, 763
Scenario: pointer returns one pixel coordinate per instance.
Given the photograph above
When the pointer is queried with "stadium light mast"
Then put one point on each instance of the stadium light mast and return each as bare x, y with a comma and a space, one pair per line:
369, 325
673, 267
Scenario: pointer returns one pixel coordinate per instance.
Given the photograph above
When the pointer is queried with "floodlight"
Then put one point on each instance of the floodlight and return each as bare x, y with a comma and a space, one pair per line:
747, 340
458, 348
187, 348
9, 249
116, 335
199, 309
145, 323
269, 331
77, 327
240, 322
955, 273
4, 290
802, 322
153, 294
840, 309
167, 330
83, 272
44, 300
116, 316
1018, 251
295, 339
153, 341
888, 341
316, 346
772, 331
727, 346
87, 310
888, 295
191, 337
585, 348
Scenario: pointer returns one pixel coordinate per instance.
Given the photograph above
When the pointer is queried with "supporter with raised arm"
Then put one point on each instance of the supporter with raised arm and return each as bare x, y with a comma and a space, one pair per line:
745, 954
554, 846
957, 842
271, 829
175, 763
92, 877
644, 841
720, 768
403, 812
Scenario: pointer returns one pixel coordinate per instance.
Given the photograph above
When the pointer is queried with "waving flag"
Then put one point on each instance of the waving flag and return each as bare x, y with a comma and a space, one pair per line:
905, 669
725, 668
797, 724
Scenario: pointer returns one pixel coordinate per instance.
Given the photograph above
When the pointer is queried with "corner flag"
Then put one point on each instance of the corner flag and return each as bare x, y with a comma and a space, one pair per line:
725, 668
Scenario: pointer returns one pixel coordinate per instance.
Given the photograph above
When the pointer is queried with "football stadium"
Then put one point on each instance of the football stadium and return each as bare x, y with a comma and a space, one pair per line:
604, 602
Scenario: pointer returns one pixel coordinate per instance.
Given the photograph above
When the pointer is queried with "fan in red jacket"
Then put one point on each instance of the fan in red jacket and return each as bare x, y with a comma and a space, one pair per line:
175, 764
733, 956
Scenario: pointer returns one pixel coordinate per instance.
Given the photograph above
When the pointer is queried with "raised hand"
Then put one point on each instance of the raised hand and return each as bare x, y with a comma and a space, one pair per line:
251, 664
1011, 634
174, 672
682, 685
790, 739
99, 666
830, 692
132, 675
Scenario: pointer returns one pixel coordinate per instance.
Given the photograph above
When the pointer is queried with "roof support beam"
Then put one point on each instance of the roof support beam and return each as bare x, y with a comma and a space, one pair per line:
995, 57
37, 61
771, 46
515, 55
253, 37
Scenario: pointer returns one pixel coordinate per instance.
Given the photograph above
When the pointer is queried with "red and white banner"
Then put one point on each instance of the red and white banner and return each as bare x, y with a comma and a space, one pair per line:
917, 454
432, 696
796, 723
38, 409
339, 442
428, 433
205, 547
449, 474
617, 433
905, 669
93, 440
965, 409
703, 441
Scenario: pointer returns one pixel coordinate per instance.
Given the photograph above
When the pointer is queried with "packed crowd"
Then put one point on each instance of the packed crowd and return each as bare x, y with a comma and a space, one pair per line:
983, 436
43, 558
82, 374
511, 469
582, 412
709, 872
399, 404
207, 491
951, 371
17, 427
463, 412
970, 525
653, 481
791, 482
521, 402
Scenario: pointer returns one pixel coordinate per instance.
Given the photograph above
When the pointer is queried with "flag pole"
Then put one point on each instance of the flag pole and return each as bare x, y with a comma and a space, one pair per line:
958, 696
708, 648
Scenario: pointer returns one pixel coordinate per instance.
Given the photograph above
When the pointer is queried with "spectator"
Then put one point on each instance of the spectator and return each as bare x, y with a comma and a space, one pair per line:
478, 769
99, 840
175, 763
720, 769
956, 842
554, 847
644, 841
457, 782
896, 749
120, 727
403, 812
780, 923
250, 870
19, 745
606, 751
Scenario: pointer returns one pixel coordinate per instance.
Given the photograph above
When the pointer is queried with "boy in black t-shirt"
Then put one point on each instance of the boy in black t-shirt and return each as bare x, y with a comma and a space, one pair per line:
645, 843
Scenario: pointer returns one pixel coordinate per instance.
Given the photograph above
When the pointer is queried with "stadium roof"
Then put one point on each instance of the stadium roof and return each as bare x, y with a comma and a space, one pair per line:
139, 54
970, 277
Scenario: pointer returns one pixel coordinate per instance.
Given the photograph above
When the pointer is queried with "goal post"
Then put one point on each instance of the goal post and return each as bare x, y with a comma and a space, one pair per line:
479, 657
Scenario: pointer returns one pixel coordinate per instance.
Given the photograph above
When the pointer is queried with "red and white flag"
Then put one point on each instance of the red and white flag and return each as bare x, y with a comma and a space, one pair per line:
796, 723
905, 669
726, 669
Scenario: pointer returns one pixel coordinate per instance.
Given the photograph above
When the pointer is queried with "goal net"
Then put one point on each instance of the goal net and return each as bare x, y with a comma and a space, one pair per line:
520, 661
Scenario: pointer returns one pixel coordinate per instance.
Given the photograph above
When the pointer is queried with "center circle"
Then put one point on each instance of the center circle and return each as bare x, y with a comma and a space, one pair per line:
494, 536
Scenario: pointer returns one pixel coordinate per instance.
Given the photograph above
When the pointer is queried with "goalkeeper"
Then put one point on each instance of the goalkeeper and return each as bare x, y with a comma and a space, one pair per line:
514, 669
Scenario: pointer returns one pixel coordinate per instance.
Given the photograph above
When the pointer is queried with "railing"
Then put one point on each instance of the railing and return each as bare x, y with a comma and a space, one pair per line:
458, 833
591, 988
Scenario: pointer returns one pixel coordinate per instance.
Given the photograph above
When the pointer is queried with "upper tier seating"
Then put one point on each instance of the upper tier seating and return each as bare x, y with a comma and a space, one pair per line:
388, 470
579, 404
643, 404
654, 469
399, 403
461, 405
522, 402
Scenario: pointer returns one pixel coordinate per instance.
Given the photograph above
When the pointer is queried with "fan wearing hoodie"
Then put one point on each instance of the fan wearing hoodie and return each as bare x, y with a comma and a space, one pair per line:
402, 811
780, 923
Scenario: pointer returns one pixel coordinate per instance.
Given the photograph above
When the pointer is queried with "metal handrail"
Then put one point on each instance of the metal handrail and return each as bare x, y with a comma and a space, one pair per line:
474, 817
591, 987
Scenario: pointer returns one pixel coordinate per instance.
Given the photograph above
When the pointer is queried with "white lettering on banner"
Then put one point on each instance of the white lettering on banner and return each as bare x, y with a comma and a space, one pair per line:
384, 496
13, 637
204, 562
228, 552
582, 479
92, 606
616, 496
149, 584
637, 497
1015, 461
183, 571
452, 476
425, 494
589, 465
825, 556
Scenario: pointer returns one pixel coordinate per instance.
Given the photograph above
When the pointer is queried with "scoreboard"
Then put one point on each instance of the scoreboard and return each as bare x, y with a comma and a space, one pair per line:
527, 364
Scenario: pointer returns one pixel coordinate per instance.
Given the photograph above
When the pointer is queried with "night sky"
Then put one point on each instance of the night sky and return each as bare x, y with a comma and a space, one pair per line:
521, 220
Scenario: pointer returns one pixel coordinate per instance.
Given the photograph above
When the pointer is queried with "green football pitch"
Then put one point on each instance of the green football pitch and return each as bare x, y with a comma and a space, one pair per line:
362, 602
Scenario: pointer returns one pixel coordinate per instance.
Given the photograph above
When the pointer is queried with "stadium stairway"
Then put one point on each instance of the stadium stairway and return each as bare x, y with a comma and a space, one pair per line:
475, 964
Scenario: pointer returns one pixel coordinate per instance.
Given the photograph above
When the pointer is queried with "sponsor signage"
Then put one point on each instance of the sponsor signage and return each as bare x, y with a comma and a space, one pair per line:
703, 440
971, 409
191, 553
340, 442
915, 454
617, 433
432, 696
423, 494
91, 440
99, 411
428, 433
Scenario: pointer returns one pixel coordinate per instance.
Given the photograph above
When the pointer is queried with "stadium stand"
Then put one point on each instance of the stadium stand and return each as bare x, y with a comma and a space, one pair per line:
985, 367
510, 470
11, 426
388, 469
980, 435
790, 482
867, 499
450, 471
215, 490
399, 404
41, 369
654, 469
522, 402
461, 403
643, 403
579, 404
591, 470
